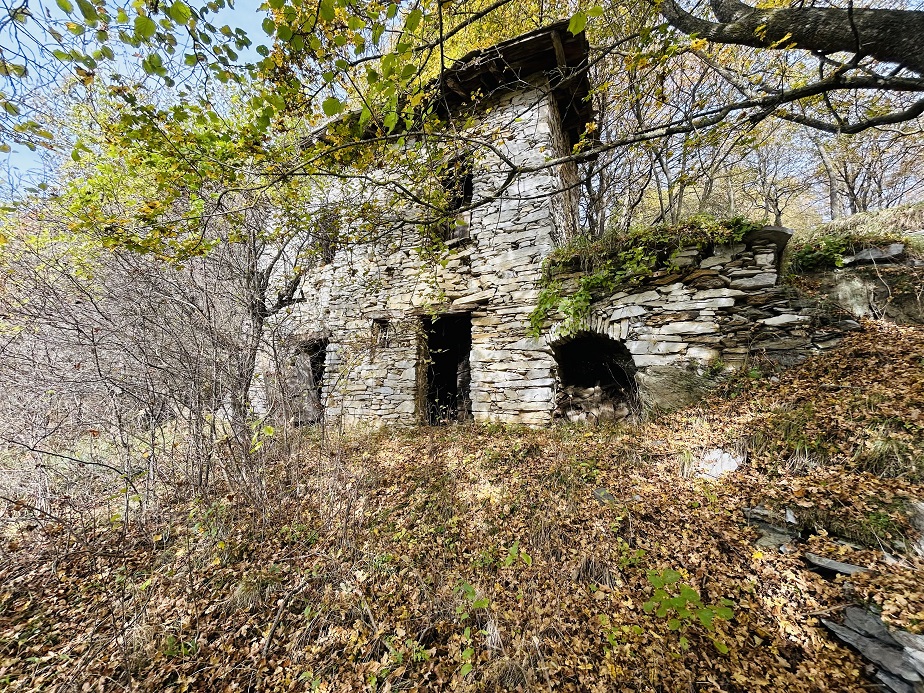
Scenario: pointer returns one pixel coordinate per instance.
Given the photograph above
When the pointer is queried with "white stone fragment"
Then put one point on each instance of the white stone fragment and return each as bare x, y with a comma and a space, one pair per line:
688, 327
647, 346
785, 319
624, 312
717, 462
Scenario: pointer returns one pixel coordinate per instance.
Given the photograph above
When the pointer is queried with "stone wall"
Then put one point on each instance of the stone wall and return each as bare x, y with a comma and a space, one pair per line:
720, 308
493, 275
708, 311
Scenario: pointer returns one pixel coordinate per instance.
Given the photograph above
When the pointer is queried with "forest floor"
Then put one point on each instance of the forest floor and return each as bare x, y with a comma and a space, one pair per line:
498, 558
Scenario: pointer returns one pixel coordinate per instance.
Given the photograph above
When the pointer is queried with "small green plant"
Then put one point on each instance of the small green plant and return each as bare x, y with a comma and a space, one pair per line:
615, 635
298, 533
174, 647
828, 251
628, 557
471, 600
683, 607
517, 554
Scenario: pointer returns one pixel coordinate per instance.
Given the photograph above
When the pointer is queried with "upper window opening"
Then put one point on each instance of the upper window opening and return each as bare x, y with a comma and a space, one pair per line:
459, 185
381, 333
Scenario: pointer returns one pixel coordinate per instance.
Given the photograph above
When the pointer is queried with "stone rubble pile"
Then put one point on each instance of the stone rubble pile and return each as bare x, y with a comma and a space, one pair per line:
895, 656
591, 404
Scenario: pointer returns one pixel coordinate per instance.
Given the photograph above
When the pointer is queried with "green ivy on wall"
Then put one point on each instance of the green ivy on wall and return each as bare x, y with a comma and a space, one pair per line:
617, 260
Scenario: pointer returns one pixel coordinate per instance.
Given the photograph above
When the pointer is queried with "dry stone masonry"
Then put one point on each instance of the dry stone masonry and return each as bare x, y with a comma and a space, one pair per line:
393, 335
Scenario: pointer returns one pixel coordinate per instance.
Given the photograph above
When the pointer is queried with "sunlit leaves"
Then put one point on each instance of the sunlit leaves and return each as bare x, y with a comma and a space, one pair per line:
8, 69
179, 12
145, 27
332, 106
413, 20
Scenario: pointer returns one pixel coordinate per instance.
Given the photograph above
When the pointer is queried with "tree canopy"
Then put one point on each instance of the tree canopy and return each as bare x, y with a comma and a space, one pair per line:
204, 110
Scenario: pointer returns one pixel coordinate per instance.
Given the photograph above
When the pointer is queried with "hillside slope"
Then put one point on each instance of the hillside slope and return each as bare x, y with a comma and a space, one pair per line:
490, 558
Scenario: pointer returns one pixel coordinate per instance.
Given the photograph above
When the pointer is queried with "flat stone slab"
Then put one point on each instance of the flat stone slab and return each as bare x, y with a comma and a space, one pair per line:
758, 281
625, 312
835, 566
890, 659
893, 251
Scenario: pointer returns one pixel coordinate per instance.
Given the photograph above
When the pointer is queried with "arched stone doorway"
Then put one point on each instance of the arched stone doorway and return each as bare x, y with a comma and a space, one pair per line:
596, 379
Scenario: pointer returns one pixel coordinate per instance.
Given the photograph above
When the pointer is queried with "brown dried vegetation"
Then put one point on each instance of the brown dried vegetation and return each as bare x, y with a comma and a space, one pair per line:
490, 558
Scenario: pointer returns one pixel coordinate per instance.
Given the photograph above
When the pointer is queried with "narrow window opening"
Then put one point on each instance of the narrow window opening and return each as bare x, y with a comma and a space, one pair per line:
447, 387
459, 185
308, 366
381, 333
597, 380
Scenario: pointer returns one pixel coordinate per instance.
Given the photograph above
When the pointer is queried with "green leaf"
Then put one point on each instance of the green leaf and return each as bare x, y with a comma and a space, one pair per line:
674, 624
65, 6
720, 646
684, 644
595, 11
577, 23
466, 669
671, 576
283, 32
332, 106
413, 20
180, 12
705, 617
88, 10
269, 26
145, 27
327, 10
12, 69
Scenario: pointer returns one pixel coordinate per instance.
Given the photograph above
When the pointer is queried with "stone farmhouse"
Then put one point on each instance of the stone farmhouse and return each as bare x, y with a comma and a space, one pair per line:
388, 337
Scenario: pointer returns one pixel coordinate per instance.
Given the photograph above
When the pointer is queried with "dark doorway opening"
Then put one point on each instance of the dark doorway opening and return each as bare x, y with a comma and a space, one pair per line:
447, 390
597, 380
308, 368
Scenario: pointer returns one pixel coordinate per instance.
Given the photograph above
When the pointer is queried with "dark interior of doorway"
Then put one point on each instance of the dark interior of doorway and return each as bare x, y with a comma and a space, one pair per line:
448, 385
310, 357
